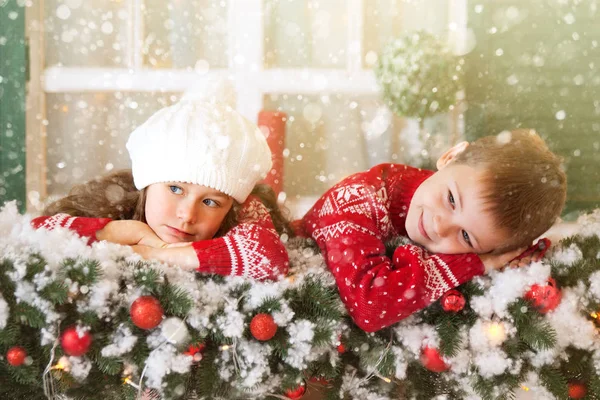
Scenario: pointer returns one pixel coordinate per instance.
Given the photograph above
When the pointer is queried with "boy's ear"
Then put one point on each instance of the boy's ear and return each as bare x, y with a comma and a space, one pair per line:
450, 154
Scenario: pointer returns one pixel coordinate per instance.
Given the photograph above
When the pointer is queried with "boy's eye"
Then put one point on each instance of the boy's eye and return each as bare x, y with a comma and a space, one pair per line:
210, 203
451, 198
467, 238
175, 189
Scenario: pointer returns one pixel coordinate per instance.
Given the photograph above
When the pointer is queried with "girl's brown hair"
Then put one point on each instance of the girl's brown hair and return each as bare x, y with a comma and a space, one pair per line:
115, 196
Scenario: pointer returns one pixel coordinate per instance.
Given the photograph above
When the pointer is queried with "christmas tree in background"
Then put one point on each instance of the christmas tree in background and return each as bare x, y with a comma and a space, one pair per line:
96, 322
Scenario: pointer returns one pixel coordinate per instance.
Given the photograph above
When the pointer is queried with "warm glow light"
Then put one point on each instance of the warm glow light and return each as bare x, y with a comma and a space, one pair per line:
59, 366
225, 347
127, 381
594, 315
496, 333
525, 388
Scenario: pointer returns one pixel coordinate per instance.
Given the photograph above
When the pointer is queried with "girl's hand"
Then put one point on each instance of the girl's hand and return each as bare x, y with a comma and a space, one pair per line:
183, 256
129, 232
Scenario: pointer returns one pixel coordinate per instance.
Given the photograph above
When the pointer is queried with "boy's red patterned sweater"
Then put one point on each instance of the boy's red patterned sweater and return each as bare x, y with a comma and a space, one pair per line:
351, 223
251, 249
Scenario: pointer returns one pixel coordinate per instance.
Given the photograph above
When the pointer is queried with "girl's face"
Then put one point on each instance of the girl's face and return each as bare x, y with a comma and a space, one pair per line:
185, 212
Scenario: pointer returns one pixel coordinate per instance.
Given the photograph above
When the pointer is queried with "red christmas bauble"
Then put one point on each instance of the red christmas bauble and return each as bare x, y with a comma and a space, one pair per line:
453, 301
74, 344
341, 348
146, 312
577, 390
544, 298
16, 356
263, 327
432, 360
296, 393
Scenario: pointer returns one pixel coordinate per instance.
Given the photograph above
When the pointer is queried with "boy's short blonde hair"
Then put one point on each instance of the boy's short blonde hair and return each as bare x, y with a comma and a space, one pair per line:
525, 181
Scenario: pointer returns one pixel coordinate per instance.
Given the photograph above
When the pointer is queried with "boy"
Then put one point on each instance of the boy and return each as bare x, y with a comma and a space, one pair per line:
486, 203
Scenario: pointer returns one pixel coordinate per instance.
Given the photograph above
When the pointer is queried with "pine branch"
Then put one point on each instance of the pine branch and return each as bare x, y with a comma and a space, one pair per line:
580, 270
448, 329
269, 305
29, 315
312, 300
35, 264
9, 334
483, 388
55, 292
146, 277
531, 328
554, 381
85, 271
109, 365
322, 334
175, 301
540, 335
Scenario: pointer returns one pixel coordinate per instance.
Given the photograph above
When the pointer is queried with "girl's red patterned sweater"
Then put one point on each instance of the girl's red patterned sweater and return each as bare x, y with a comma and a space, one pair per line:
351, 223
251, 249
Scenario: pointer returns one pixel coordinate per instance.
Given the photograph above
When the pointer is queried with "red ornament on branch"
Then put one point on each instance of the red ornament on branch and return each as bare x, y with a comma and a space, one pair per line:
195, 348
75, 343
577, 390
296, 393
320, 380
16, 356
146, 312
544, 298
432, 360
453, 301
263, 327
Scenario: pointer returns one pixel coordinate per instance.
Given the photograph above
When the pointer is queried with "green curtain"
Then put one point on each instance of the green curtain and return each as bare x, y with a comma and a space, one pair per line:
13, 76
535, 65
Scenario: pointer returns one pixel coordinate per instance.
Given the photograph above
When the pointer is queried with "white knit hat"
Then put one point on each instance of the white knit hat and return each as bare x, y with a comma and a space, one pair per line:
200, 140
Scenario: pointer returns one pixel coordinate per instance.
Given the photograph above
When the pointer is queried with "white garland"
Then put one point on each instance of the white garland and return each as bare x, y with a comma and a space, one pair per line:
245, 363
4, 312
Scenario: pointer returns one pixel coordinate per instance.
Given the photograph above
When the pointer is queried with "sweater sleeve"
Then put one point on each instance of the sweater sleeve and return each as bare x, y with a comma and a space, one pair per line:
84, 226
350, 224
251, 249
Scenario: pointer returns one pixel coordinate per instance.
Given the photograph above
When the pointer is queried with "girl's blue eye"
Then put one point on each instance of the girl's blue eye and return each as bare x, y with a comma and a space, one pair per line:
467, 238
210, 203
175, 189
451, 198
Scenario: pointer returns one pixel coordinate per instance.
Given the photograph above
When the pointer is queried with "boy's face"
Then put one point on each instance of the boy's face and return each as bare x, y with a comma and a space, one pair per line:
447, 213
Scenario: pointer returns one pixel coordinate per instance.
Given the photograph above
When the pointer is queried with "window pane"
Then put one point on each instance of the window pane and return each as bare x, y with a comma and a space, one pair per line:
329, 137
87, 133
86, 33
182, 33
305, 34
385, 20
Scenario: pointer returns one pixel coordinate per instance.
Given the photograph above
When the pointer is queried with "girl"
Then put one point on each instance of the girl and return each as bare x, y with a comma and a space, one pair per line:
191, 198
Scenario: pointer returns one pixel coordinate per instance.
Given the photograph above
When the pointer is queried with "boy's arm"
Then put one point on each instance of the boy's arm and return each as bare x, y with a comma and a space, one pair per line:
350, 224
377, 291
251, 249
